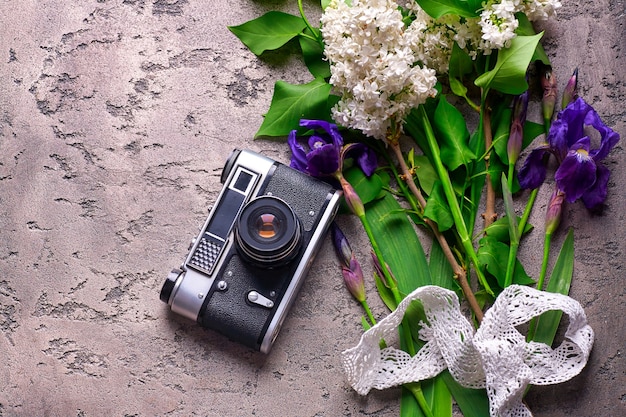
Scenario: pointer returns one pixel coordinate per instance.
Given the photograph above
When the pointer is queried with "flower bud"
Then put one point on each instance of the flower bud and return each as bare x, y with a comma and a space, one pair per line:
555, 208
350, 269
342, 247
571, 90
352, 198
516, 135
379, 270
353, 277
548, 102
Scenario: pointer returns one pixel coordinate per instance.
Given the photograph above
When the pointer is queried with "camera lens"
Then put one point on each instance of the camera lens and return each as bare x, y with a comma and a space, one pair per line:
268, 233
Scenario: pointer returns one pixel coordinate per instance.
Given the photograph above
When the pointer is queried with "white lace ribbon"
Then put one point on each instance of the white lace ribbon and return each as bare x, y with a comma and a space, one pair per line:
496, 356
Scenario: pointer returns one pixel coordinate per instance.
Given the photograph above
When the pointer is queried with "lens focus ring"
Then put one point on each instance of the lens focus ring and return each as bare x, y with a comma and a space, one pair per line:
268, 233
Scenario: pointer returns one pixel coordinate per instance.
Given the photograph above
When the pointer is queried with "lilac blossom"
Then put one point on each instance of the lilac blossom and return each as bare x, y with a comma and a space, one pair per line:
580, 174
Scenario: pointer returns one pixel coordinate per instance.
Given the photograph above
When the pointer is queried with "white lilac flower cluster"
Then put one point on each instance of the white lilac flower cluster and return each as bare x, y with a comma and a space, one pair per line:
383, 68
373, 66
433, 39
493, 29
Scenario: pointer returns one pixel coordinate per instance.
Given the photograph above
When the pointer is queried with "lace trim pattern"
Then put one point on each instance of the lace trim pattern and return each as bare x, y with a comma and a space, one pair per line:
496, 356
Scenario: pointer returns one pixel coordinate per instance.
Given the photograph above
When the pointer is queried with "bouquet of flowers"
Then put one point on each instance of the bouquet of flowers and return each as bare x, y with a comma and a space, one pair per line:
418, 111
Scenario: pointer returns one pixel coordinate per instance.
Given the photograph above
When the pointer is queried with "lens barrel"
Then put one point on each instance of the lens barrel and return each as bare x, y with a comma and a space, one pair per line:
228, 165
169, 284
268, 233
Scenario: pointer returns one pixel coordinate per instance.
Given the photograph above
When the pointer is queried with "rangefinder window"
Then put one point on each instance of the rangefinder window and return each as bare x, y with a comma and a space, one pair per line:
212, 242
243, 181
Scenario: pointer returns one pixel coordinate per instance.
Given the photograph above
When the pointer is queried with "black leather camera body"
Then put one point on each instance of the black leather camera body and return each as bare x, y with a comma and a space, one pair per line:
248, 262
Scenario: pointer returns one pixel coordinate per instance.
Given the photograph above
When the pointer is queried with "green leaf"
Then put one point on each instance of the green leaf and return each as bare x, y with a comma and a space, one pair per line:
437, 208
425, 172
499, 230
290, 103
493, 256
531, 131
368, 189
313, 54
560, 281
526, 28
453, 135
441, 272
438, 8
268, 32
441, 399
472, 402
460, 65
501, 135
396, 237
509, 74
385, 293
365, 324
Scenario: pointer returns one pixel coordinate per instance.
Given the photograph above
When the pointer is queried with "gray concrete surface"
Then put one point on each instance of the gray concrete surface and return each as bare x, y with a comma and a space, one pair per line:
115, 119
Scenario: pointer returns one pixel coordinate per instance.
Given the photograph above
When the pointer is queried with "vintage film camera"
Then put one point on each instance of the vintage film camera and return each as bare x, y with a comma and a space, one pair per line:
251, 256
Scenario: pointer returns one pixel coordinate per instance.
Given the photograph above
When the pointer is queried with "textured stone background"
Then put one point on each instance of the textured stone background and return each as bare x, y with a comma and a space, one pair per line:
115, 119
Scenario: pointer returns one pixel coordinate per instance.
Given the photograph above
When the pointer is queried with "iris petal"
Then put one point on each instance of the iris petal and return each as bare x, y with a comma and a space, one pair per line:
533, 172
365, 157
596, 195
575, 175
330, 128
298, 154
323, 161
557, 138
368, 161
574, 116
608, 137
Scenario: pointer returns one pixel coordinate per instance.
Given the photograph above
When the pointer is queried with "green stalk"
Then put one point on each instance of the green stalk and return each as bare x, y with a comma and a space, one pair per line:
529, 206
510, 175
452, 201
514, 247
416, 389
510, 266
370, 316
308, 25
544, 263
514, 232
534, 323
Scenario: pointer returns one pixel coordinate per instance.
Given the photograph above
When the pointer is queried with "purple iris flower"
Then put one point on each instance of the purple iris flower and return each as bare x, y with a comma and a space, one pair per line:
580, 174
326, 154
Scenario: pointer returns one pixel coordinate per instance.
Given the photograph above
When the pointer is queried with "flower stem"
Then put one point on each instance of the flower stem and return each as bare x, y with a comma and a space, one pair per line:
490, 214
459, 272
510, 175
416, 389
529, 206
534, 323
455, 209
308, 25
544, 263
513, 249
370, 316
510, 267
